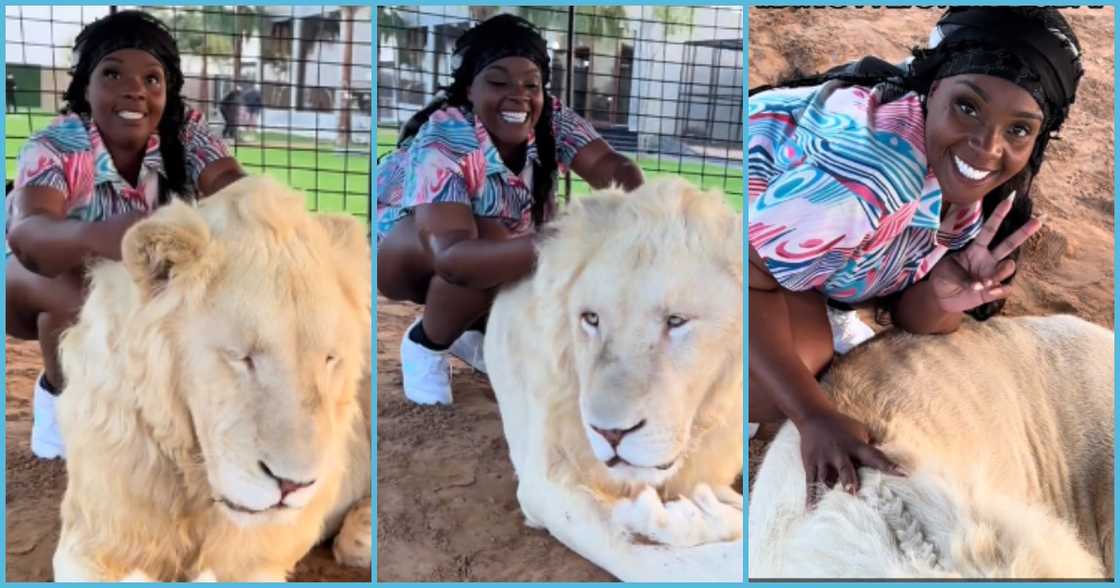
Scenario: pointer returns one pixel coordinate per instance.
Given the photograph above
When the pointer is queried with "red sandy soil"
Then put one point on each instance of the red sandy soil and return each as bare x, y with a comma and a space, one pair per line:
1068, 267
35, 487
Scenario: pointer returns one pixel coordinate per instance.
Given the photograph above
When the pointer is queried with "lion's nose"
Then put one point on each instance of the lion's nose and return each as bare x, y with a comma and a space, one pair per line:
286, 486
614, 436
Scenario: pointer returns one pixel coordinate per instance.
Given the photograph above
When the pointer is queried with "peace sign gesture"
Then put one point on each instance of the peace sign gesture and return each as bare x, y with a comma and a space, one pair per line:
972, 276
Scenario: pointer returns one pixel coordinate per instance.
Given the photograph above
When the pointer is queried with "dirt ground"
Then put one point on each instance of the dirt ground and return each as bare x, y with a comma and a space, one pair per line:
446, 496
35, 487
1068, 267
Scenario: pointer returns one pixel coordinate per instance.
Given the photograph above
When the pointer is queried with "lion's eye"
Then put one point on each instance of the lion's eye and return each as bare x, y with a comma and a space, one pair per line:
675, 320
590, 319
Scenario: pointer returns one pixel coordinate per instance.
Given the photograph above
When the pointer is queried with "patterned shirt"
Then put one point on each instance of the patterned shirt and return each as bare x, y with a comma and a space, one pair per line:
70, 156
452, 159
841, 198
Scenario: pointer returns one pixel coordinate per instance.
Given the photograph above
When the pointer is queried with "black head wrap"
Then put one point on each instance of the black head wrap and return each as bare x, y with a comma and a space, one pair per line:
132, 29
1036, 50
501, 36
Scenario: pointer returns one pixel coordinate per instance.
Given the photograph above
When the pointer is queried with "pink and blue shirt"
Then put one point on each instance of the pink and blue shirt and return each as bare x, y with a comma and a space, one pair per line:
841, 198
452, 159
70, 156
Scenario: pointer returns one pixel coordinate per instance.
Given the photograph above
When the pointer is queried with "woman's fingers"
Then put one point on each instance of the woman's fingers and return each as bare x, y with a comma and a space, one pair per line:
849, 480
872, 457
810, 485
1014, 240
992, 224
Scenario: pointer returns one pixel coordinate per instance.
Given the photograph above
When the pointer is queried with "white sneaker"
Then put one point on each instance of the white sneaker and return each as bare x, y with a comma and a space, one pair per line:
426, 373
847, 330
46, 439
468, 347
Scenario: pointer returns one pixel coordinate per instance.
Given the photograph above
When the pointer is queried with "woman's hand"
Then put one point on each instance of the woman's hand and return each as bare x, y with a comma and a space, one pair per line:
833, 445
973, 276
105, 237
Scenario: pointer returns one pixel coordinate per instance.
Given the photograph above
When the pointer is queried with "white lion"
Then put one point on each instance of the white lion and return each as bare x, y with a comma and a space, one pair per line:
1006, 430
618, 371
213, 412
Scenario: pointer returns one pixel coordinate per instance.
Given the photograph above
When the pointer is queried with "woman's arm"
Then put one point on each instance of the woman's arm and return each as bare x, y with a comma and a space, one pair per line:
219, 174
49, 244
449, 232
774, 361
918, 311
600, 165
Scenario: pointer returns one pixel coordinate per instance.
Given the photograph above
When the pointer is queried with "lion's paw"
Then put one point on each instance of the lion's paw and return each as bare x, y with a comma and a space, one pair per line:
705, 517
353, 544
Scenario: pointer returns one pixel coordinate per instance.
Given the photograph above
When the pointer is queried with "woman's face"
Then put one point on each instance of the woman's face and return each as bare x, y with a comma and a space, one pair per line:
127, 95
980, 131
507, 96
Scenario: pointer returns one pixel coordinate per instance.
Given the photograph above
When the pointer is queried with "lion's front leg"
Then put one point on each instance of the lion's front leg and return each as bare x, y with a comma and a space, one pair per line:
583, 523
707, 516
354, 543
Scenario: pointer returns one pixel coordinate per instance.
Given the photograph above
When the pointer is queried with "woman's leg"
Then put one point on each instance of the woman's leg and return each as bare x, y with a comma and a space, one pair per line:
405, 271
812, 339
41, 308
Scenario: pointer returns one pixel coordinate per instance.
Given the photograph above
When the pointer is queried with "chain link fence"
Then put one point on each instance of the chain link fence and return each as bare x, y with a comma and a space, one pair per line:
661, 84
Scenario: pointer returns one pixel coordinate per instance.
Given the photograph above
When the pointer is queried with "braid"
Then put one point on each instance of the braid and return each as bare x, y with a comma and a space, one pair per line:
171, 144
544, 173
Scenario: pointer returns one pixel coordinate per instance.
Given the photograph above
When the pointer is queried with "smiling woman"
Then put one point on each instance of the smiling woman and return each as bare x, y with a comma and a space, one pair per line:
906, 187
125, 145
471, 182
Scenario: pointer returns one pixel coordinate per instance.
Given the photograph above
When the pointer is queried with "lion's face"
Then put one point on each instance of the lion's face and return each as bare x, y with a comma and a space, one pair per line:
655, 332
271, 352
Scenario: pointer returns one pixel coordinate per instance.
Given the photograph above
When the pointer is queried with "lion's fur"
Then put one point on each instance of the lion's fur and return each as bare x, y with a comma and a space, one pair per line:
1006, 430
666, 247
151, 396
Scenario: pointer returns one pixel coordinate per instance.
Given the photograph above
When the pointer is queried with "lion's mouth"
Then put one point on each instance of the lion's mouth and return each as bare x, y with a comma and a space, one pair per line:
242, 508
618, 460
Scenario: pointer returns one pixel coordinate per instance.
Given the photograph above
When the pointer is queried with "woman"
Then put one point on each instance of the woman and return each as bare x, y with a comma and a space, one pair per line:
907, 188
124, 145
472, 179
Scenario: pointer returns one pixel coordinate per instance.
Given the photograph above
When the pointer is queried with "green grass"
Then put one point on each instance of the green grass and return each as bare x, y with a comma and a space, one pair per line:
333, 181
729, 179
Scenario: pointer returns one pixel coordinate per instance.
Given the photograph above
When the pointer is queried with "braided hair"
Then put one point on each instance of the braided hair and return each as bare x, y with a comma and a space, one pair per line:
1032, 47
503, 35
132, 29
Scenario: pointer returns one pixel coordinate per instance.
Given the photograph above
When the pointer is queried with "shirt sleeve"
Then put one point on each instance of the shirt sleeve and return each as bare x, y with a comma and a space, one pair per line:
807, 226
39, 165
572, 132
201, 147
433, 176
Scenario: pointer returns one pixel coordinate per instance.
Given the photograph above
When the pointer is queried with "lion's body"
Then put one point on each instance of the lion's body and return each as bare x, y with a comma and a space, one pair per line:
634, 258
1006, 429
162, 417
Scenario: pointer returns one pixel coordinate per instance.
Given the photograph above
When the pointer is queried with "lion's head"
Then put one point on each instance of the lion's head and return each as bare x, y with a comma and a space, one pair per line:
648, 288
255, 316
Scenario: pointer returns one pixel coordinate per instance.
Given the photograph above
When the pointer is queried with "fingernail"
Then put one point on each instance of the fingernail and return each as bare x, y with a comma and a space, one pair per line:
901, 471
1043, 217
977, 286
1011, 196
850, 488
987, 283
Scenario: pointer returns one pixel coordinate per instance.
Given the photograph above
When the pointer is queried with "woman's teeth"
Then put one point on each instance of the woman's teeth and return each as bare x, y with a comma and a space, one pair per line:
129, 115
968, 171
515, 118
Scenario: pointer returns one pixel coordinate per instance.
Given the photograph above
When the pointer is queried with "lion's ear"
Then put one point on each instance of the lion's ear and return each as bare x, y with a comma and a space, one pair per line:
167, 244
346, 232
